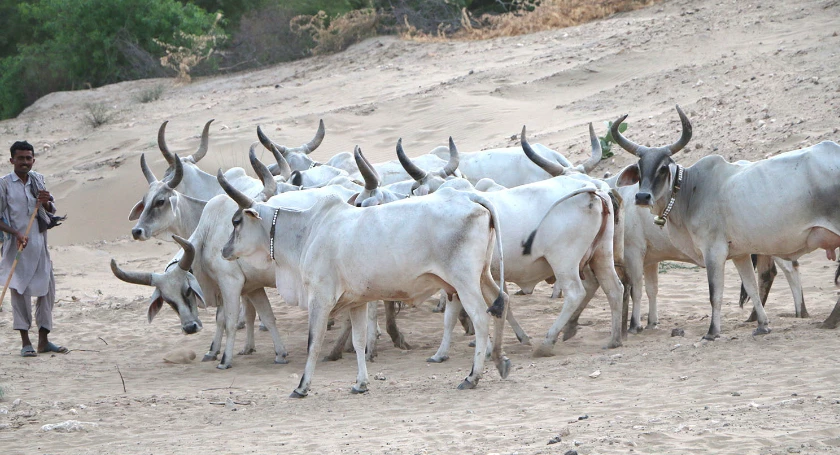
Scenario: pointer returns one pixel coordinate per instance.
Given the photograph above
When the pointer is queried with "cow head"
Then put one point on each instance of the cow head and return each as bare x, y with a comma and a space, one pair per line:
177, 287
248, 237
428, 182
195, 157
655, 170
156, 212
297, 157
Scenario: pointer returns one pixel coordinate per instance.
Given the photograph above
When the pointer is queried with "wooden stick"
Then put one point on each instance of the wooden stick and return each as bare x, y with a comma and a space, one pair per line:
17, 255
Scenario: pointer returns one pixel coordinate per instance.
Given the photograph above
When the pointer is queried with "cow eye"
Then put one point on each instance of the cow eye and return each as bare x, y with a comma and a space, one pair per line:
187, 292
159, 202
237, 221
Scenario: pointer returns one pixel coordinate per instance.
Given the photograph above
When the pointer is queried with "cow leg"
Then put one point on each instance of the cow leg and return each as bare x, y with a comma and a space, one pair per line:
341, 341
765, 268
635, 269
242, 318
250, 314
476, 308
359, 317
590, 284
651, 279
230, 299
602, 266
791, 271
466, 322
372, 326
260, 302
517, 329
714, 261
441, 306
450, 318
745, 270
490, 292
833, 319
216, 344
391, 325
575, 292
318, 315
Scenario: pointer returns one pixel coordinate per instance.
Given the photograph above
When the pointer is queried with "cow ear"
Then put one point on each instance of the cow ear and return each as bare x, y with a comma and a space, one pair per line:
135, 212
173, 201
156, 305
629, 176
253, 213
352, 200
370, 202
192, 282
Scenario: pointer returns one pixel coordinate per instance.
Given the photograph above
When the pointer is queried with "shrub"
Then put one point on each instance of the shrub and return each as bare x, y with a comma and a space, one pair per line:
149, 94
98, 114
264, 37
192, 50
338, 33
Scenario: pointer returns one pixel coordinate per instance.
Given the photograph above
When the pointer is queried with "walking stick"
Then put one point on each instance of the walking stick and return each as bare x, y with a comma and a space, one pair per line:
17, 256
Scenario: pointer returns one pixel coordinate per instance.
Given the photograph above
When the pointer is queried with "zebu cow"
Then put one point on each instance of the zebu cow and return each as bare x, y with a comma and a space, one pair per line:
508, 167
333, 256
717, 210
389, 172
579, 238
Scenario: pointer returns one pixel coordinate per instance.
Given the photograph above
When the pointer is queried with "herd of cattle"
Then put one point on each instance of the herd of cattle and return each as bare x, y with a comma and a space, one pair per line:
345, 234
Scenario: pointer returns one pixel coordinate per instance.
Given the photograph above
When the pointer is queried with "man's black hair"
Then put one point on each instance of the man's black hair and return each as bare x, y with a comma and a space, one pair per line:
21, 145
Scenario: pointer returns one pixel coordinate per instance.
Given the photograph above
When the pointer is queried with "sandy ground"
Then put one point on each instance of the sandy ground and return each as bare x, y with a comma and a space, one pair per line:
756, 78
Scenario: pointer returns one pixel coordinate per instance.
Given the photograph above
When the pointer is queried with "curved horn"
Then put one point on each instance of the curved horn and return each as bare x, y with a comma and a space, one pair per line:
686, 133
162, 143
144, 278
268, 143
189, 253
269, 184
454, 159
597, 152
202, 148
178, 175
625, 143
551, 167
310, 146
371, 180
244, 201
415, 172
150, 176
282, 168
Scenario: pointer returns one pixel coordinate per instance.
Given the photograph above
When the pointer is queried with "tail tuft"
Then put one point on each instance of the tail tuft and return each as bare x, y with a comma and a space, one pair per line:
498, 307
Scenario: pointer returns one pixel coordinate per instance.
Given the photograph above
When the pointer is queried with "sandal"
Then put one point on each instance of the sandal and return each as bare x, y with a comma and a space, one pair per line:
54, 348
28, 351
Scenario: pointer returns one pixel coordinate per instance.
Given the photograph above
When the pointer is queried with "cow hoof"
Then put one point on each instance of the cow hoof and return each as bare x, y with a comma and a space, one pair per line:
208, 358
652, 326
361, 389
761, 330
403, 345
466, 385
439, 309
504, 367
545, 350
280, 361
613, 345
222, 366
296, 394
263, 328
472, 344
333, 357
569, 333
240, 326
526, 341
804, 314
520, 292
436, 359
636, 329
710, 337
247, 351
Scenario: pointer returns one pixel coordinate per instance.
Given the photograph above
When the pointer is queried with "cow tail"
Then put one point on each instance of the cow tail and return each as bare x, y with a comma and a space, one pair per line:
498, 307
528, 244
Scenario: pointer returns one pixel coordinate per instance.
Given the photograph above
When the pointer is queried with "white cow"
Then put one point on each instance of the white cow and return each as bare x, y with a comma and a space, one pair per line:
333, 256
715, 210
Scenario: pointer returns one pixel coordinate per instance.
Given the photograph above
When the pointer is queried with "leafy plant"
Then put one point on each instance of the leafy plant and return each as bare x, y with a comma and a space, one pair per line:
607, 140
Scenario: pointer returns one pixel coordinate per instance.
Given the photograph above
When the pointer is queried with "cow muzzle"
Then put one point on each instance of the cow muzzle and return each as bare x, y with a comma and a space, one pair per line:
644, 199
138, 234
191, 327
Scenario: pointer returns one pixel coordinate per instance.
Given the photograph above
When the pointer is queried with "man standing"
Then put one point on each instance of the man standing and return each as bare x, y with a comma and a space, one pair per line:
21, 192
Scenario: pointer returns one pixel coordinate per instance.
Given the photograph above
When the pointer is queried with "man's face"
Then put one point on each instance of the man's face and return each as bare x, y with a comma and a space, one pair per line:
23, 161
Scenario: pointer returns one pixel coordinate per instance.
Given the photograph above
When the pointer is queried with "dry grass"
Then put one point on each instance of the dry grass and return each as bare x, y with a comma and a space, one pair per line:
336, 34
550, 14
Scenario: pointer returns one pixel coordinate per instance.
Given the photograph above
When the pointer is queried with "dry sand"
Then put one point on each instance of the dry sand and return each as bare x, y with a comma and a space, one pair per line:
756, 78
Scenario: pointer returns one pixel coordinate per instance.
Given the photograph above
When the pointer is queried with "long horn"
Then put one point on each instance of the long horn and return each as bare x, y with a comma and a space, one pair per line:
454, 159
244, 201
551, 167
625, 143
202, 148
371, 182
268, 143
686, 133
310, 146
189, 253
597, 152
282, 167
178, 175
162, 143
415, 172
269, 184
144, 278
150, 176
